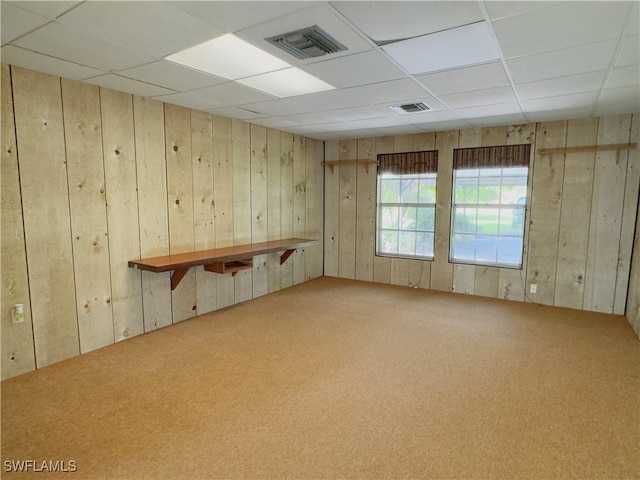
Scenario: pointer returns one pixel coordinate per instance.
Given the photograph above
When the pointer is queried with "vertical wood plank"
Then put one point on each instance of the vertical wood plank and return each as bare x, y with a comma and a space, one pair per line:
382, 265
420, 274
400, 266
629, 214
203, 205
575, 214
241, 143
87, 204
259, 206
633, 297
18, 354
348, 192
177, 124
286, 201
366, 211
273, 207
119, 153
331, 210
606, 216
43, 176
299, 207
545, 212
223, 198
152, 205
441, 269
314, 174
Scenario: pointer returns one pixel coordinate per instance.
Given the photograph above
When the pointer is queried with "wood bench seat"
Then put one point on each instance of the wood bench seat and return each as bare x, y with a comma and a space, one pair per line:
219, 260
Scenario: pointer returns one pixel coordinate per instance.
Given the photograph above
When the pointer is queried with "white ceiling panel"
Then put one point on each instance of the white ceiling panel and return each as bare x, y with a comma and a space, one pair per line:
355, 113
630, 52
487, 96
458, 47
561, 63
274, 122
320, 15
385, 21
314, 118
324, 101
235, 112
16, 22
497, 120
399, 130
442, 126
154, 27
553, 115
387, 92
427, 117
615, 101
577, 100
66, 43
465, 79
502, 9
232, 16
171, 75
584, 82
633, 25
122, 84
489, 110
563, 26
224, 95
359, 69
48, 8
42, 63
624, 77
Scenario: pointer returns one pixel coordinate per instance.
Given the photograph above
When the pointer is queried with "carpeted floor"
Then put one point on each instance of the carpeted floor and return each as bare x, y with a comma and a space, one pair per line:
342, 379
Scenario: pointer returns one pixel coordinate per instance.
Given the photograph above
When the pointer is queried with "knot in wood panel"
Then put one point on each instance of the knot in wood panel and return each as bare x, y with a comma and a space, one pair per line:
175, 148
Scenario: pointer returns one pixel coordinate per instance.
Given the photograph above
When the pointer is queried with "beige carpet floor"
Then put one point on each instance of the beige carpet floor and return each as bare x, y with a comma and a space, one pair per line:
342, 379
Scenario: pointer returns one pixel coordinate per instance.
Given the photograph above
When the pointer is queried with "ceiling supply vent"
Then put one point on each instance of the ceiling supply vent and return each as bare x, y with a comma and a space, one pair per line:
411, 107
307, 42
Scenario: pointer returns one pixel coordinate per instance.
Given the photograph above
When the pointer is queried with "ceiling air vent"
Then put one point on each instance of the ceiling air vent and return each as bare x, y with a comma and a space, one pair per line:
411, 107
307, 42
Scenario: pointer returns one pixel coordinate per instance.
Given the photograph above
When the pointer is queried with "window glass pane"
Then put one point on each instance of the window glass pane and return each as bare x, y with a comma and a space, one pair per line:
510, 250
488, 220
486, 248
409, 190
389, 190
407, 243
463, 247
408, 218
511, 221
467, 172
467, 190
389, 217
426, 218
490, 172
464, 220
489, 190
424, 244
427, 190
521, 171
513, 194
389, 241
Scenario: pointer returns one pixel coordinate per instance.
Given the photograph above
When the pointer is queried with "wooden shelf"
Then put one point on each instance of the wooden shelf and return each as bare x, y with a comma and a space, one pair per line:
362, 161
219, 260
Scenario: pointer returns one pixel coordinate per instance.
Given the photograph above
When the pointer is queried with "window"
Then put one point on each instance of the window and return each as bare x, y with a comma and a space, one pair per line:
489, 203
406, 204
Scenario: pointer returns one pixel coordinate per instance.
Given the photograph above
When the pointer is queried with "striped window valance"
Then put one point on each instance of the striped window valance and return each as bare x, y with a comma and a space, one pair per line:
492, 157
408, 162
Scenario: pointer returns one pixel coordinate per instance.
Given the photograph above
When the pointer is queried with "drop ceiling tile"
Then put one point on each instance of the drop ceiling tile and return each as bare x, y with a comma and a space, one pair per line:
304, 130
468, 45
16, 22
563, 26
235, 112
356, 113
630, 53
280, 106
122, 84
63, 42
224, 95
387, 92
465, 79
398, 130
274, 122
489, 110
624, 77
329, 100
633, 27
498, 120
321, 15
583, 82
501, 9
616, 101
346, 134
49, 9
234, 16
395, 20
563, 114
577, 100
442, 126
171, 75
487, 96
313, 118
561, 63
382, 122
427, 117
153, 27
42, 63
359, 69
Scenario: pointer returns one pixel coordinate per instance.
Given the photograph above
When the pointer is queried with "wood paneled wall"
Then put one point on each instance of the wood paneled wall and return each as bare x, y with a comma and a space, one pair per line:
92, 178
581, 215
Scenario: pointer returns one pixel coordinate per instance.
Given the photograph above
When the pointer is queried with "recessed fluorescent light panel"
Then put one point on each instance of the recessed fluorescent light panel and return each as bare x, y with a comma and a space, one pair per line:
228, 57
287, 83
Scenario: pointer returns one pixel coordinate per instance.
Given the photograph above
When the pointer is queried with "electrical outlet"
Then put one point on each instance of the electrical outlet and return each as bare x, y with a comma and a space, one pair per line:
533, 288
